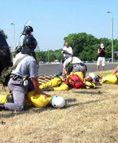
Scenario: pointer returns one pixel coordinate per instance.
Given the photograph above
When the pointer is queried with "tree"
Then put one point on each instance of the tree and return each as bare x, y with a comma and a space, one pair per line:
41, 56
58, 55
82, 44
85, 45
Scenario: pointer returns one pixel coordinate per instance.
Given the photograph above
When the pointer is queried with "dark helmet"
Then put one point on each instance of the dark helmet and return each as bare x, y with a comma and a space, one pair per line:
30, 42
27, 30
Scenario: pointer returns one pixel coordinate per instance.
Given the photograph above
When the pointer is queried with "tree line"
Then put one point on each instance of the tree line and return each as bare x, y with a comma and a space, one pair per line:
84, 46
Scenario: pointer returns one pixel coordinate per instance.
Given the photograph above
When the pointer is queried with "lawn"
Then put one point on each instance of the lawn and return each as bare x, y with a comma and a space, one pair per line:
91, 116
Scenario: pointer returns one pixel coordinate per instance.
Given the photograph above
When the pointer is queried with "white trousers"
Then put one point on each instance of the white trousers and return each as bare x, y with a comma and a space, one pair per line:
101, 61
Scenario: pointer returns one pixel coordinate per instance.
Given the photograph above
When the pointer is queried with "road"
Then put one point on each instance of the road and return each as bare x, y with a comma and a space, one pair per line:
52, 69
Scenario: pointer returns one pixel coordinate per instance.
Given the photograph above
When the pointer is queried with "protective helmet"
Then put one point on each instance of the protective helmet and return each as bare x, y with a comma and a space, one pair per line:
92, 75
27, 30
30, 42
58, 101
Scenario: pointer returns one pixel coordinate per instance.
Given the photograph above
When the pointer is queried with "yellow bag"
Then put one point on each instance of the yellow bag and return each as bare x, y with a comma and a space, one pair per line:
110, 78
62, 87
89, 84
38, 100
3, 97
52, 83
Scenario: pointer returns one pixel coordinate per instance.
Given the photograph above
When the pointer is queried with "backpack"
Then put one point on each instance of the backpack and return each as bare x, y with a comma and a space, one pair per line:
6, 73
74, 81
5, 55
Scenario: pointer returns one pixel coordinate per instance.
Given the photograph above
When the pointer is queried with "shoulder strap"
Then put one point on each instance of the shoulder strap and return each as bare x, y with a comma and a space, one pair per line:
18, 61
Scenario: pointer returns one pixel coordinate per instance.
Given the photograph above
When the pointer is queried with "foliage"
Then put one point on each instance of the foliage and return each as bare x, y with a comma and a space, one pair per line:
49, 56
84, 46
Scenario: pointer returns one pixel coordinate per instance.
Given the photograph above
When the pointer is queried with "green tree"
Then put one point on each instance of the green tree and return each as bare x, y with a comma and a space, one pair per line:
58, 55
85, 45
41, 56
82, 44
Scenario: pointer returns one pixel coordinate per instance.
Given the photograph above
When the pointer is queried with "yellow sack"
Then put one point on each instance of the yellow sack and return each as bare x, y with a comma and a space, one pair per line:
52, 83
62, 87
3, 97
80, 74
89, 84
38, 100
110, 78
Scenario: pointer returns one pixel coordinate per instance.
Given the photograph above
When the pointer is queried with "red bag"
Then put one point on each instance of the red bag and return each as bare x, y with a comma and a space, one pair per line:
74, 81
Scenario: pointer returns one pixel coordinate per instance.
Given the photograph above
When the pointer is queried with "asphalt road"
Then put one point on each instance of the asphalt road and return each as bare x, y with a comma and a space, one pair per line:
52, 69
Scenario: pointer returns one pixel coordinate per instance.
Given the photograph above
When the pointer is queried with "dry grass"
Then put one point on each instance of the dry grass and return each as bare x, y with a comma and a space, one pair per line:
92, 118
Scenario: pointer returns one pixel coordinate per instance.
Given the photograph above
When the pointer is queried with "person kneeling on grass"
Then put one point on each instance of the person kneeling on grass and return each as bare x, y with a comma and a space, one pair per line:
74, 64
26, 67
36, 99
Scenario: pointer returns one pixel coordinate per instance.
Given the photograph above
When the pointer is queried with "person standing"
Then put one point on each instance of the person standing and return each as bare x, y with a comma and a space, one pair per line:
67, 54
24, 77
101, 57
67, 51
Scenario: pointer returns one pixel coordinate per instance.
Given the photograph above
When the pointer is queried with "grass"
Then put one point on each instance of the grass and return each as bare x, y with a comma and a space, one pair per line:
91, 118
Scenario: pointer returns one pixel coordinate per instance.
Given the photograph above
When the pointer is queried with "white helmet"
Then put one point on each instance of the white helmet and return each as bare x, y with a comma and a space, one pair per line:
93, 76
58, 101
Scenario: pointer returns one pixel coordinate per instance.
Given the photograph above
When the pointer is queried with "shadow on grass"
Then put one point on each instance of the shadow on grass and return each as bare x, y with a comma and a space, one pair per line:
89, 92
71, 102
81, 104
27, 110
31, 110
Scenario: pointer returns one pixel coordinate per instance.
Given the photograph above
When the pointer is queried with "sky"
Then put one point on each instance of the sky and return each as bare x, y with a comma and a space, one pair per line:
53, 20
